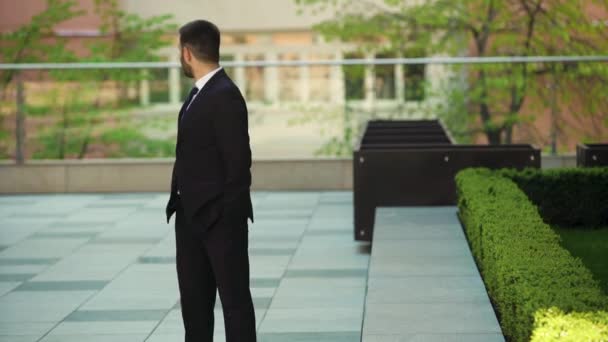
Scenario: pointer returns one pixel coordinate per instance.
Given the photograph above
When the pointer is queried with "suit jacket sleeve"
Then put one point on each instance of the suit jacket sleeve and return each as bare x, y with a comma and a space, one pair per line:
232, 137
173, 180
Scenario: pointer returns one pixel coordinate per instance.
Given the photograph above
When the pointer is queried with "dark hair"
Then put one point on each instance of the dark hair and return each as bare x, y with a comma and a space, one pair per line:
203, 37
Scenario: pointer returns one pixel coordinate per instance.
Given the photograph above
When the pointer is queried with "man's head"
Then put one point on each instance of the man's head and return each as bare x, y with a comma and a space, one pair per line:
199, 43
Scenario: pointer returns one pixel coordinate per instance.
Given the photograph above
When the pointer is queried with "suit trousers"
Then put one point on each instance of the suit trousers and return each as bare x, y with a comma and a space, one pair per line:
217, 259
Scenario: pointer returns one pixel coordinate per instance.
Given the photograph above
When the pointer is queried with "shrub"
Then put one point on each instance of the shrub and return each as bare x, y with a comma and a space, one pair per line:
570, 197
555, 325
523, 265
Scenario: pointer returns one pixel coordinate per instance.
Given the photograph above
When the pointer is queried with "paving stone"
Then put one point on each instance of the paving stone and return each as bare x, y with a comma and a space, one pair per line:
61, 285
16, 331
264, 282
326, 273
422, 266
12, 277
408, 318
28, 261
40, 306
433, 289
101, 267
333, 297
60, 235
423, 282
53, 337
88, 328
128, 240
7, 286
42, 248
318, 319
271, 251
326, 336
115, 315
451, 337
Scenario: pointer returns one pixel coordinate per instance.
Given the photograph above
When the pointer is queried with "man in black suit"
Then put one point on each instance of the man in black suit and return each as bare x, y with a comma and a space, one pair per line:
210, 194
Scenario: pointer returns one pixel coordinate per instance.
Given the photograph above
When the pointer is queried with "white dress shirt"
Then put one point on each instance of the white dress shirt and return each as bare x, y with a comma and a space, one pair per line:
200, 83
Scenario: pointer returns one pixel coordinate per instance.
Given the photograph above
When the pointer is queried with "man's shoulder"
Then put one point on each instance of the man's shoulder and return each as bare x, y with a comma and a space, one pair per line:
226, 83
226, 88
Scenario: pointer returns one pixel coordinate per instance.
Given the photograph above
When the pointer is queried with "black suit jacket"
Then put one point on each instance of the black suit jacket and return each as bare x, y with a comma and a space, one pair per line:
213, 157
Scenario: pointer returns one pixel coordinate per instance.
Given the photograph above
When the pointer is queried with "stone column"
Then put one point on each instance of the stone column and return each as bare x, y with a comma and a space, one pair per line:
239, 74
338, 93
399, 83
369, 83
174, 83
434, 74
271, 79
304, 79
144, 88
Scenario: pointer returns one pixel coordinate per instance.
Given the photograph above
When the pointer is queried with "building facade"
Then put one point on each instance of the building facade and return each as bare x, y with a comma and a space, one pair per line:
269, 30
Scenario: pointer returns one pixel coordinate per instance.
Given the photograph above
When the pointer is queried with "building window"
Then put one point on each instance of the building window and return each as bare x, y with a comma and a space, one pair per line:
413, 75
159, 85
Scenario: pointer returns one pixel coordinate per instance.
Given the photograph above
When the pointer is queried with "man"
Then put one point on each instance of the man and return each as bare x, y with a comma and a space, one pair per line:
210, 193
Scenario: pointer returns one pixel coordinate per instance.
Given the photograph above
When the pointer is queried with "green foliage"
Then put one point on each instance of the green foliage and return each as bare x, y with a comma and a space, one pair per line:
132, 38
495, 93
338, 144
81, 116
132, 143
343, 125
591, 245
555, 325
525, 270
3, 139
341, 145
30, 44
570, 197
27, 44
353, 79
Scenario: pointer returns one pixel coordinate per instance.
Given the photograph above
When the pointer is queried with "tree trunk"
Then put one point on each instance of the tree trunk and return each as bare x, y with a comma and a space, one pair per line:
20, 123
493, 137
509, 134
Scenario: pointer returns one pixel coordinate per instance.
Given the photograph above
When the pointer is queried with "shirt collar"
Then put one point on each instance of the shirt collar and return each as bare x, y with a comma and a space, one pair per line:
200, 83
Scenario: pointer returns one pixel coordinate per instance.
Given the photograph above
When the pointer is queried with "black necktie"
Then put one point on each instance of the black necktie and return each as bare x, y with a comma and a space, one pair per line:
185, 105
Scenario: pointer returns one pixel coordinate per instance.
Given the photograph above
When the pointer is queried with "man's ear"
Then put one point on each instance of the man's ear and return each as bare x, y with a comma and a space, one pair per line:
187, 53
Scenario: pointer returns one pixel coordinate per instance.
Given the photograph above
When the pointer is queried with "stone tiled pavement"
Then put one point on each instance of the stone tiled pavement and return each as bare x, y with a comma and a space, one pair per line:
423, 284
101, 267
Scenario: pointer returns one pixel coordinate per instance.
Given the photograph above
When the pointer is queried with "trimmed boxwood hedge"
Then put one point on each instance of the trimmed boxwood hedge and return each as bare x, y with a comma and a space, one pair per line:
537, 287
556, 325
569, 197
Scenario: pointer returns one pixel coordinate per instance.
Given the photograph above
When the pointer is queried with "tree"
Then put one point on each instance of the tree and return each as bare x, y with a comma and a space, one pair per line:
495, 93
130, 38
78, 112
30, 44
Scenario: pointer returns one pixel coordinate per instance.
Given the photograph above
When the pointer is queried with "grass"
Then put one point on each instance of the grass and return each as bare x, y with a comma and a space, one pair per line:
591, 245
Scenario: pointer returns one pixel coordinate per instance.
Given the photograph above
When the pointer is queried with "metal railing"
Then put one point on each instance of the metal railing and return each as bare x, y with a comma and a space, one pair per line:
329, 62
353, 111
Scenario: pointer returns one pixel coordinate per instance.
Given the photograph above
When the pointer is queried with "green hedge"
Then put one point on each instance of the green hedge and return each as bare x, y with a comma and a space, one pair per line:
556, 325
529, 276
570, 197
